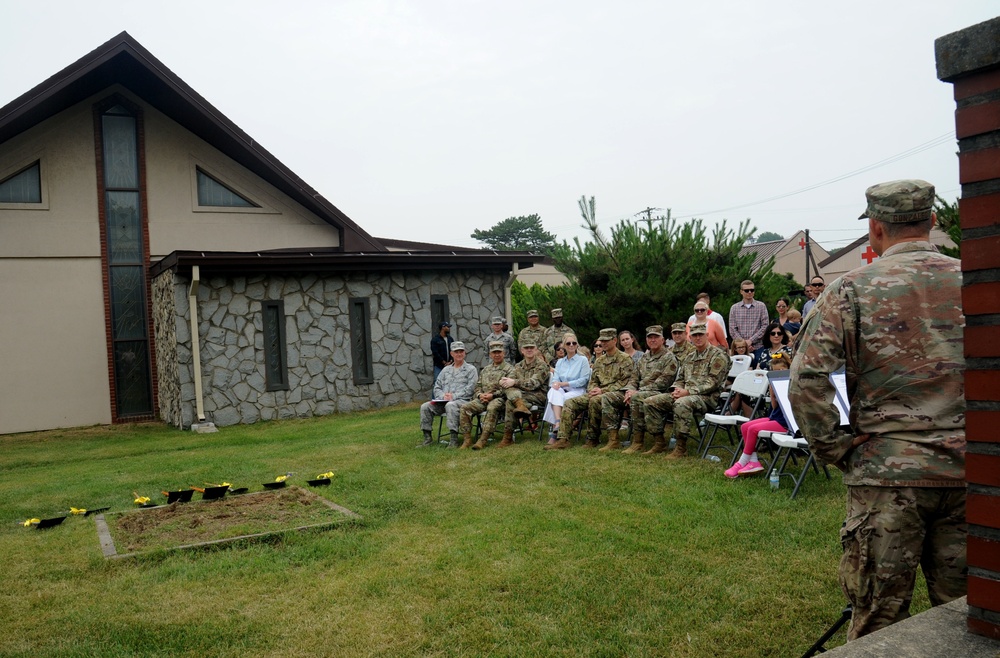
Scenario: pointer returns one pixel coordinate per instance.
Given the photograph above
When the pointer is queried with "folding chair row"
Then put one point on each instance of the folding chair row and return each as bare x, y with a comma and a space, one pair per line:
752, 385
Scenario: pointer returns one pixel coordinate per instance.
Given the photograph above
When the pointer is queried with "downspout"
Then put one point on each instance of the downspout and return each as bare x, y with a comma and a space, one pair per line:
508, 309
195, 341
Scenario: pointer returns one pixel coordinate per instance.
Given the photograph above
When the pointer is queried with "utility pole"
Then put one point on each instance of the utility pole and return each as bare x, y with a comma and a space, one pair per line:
808, 257
648, 212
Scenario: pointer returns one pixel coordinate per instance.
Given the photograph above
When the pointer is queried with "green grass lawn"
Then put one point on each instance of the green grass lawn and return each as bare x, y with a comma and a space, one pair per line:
514, 552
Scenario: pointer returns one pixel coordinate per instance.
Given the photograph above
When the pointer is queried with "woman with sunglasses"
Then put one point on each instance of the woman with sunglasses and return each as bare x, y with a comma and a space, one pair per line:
568, 381
716, 334
775, 342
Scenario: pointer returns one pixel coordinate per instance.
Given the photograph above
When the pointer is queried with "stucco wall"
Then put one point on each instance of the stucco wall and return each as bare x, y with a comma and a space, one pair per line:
53, 351
317, 335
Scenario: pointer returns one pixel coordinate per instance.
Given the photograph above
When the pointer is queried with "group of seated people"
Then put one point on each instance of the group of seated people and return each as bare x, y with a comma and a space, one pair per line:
665, 388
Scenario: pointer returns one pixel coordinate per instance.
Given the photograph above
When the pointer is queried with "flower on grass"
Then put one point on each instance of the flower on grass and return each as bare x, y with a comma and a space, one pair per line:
73, 510
31, 522
328, 474
140, 500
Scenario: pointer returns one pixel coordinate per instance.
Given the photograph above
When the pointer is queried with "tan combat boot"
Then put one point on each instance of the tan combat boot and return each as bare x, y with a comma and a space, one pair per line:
592, 442
466, 440
561, 444
680, 448
481, 443
659, 445
613, 442
508, 435
637, 443
521, 409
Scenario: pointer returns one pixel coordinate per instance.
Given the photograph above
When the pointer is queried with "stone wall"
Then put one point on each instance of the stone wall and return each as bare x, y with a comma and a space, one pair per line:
320, 374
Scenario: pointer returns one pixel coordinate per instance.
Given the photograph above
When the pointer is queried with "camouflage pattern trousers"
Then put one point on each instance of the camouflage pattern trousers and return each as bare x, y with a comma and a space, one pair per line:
430, 409
607, 406
493, 408
637, 409
888, 533
658, 407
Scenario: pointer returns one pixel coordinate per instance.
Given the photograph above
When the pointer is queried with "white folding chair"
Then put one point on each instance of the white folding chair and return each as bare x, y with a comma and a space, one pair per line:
790, 444
752, 385
739, 363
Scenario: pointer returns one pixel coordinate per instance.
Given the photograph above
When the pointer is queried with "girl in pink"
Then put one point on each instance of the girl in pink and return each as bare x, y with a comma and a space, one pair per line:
749, 463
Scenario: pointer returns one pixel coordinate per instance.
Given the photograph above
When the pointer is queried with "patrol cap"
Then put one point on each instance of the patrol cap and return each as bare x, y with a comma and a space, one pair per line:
458, 346
532, 313
900, 201
608, 333
444, 324
557, 313
496, 346
528, 343
678, 326
654, 330
497, 319
697, 329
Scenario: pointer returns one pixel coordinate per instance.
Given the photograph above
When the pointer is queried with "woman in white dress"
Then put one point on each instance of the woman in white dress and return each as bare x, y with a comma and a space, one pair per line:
568, 381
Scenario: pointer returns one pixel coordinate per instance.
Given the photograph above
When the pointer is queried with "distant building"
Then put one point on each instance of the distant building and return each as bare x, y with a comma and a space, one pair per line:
860, 253
157, 262
789, 256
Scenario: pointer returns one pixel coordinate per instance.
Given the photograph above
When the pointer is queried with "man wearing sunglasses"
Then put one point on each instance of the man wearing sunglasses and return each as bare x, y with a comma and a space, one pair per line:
896, 327
817, 285
748, 317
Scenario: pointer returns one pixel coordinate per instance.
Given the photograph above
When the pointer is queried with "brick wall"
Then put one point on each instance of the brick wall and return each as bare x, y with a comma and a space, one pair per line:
970, 60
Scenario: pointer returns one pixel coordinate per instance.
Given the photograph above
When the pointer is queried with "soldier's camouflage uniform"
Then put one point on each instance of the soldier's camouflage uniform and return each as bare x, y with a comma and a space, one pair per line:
897, 327
554, 335
509, 346
702, 374
536, 337
611, 374
489, 382
460, 382
683, 350
654, 374
532, 384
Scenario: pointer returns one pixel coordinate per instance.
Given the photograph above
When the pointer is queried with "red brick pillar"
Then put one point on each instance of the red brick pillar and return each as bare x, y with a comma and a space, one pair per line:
970, 60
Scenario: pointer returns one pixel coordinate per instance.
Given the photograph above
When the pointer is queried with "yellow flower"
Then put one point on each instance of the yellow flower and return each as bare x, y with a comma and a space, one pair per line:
73, 510
142, 500
31, 522
281, 478
328, 474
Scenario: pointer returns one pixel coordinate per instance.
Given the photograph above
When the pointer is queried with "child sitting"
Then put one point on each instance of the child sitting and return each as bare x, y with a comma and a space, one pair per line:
749, 463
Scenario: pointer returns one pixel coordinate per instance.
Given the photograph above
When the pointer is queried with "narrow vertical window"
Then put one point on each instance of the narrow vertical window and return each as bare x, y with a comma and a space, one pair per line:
439, 312
275, 353
361, 343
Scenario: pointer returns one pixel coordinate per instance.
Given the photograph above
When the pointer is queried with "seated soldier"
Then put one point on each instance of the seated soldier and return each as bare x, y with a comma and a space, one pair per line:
453, 388
526, 386
695, 390
488, 396
611, 374
654, 375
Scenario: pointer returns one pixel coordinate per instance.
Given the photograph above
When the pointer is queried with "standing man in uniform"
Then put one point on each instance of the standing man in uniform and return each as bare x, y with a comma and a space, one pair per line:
453, 388
654, 374
488, 396
696, 390
534, 333
509, 346
611, 374
441, 348
555, 333
896, 325
748, 318
527, 385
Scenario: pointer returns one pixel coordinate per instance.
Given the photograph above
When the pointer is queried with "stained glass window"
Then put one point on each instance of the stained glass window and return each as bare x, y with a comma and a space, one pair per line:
213, 193
23, 187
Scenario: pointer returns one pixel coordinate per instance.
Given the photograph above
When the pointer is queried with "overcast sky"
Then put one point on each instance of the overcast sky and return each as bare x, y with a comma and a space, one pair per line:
427, 119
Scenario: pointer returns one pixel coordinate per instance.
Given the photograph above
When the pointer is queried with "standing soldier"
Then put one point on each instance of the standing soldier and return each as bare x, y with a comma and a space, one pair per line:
654, 374
896, 327
534, 333
611, 374
509, 345
526, 386
696, 390
555, 333
441, 349
488, 397
682, 348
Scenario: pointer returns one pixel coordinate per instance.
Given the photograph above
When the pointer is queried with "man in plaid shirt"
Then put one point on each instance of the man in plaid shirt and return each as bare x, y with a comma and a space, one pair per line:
748, 318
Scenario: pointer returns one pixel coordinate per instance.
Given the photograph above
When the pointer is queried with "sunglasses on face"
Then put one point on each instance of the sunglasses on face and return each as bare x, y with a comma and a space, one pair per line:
700, 310
777, 333
569, 342
818, 285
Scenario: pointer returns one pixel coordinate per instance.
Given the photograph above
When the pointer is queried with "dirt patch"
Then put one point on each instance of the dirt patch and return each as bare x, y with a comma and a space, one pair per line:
184, 524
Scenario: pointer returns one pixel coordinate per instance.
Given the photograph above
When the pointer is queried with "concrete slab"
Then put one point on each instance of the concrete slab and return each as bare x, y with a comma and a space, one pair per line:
936, 633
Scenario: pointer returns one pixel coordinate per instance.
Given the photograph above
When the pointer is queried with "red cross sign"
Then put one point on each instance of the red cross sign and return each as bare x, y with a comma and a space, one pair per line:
869, 254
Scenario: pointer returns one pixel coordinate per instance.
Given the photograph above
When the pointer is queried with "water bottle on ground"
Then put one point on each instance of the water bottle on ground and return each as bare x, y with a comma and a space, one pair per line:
775, 479
714, 458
